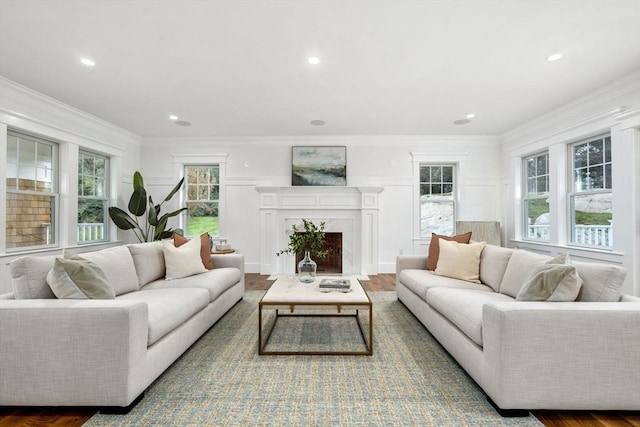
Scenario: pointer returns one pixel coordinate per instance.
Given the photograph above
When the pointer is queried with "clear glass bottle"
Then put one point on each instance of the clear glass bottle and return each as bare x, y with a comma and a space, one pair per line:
307, 269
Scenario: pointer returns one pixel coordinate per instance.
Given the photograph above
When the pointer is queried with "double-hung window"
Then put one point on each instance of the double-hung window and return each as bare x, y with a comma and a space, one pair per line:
32, 198
202, 199
536, 197
437, 199
93, 201
590, 202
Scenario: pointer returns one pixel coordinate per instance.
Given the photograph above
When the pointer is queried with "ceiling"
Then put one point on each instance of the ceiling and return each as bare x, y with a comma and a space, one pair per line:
386, 67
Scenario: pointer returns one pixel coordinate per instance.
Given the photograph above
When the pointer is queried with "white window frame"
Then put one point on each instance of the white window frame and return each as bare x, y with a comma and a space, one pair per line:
182, 160
545, 235
53, 229
92, 230
598, 234
198, 184
438, 199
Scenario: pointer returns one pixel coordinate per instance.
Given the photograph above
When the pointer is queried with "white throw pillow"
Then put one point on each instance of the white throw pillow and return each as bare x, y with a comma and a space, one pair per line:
183, 261
460, 261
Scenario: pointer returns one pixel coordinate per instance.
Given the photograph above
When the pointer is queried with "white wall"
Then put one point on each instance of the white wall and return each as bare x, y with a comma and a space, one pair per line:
384, 161
614, 108
24, 109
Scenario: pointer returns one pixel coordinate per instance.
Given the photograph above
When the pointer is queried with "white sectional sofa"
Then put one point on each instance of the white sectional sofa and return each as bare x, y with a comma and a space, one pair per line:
106, 352
582, 355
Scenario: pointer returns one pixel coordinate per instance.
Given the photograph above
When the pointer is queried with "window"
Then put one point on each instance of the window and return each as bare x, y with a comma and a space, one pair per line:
536, 193
591, 200
31, 199
203, 194
437, 201
93, 202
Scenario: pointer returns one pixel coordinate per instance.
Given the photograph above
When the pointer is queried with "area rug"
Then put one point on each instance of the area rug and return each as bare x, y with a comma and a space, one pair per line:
221, 380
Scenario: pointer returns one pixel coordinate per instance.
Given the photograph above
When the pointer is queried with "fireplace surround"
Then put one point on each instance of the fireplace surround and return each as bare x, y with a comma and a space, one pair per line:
352, 211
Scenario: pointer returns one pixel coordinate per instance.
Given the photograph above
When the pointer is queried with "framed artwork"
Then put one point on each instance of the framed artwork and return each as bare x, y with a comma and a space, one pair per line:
311, 165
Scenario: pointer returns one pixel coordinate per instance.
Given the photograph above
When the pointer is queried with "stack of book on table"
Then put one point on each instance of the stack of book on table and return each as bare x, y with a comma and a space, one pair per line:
335, 285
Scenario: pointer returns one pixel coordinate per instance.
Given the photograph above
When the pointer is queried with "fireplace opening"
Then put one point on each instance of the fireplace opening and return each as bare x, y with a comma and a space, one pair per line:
332, 264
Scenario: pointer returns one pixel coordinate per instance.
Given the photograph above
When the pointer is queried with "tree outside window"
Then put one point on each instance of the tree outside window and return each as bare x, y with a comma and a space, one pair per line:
93, 202
536, 194
591, 201
202, 199
437, 201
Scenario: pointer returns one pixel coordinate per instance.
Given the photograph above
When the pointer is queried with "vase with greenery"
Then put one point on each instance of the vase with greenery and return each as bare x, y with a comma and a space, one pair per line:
147, 223
308, 241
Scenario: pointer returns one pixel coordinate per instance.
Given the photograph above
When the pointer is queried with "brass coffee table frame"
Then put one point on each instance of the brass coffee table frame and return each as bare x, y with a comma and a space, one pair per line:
288, 308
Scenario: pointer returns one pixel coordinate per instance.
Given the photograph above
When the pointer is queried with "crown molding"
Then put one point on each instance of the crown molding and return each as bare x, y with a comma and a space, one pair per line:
25, 108
602, 105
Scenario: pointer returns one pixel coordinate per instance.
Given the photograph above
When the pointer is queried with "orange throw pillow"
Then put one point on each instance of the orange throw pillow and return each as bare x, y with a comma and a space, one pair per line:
434, 247
205, 249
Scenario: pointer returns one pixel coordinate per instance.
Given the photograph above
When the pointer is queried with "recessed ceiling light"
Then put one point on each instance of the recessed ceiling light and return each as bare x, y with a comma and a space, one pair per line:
554, 57
462, 121
88, 62
317, 122
470, 116
313, 60
173, 117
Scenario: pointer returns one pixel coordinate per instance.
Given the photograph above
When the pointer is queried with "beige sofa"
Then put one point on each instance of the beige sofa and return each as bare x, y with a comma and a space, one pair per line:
65, 352
582, 355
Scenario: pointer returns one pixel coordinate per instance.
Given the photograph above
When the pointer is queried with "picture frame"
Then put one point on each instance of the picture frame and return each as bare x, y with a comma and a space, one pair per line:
319, 166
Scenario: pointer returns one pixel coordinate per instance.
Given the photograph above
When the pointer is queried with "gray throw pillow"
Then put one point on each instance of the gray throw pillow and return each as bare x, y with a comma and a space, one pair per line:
556, 280
75, 277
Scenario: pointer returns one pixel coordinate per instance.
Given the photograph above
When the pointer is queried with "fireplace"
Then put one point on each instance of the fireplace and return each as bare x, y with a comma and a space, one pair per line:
332, 264
351, 212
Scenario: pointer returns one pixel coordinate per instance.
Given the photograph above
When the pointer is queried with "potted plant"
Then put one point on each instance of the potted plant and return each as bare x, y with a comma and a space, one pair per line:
154, 226
310, 242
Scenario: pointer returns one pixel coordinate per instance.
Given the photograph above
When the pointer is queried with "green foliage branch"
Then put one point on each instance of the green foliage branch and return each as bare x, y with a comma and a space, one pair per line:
310, 239
152, 226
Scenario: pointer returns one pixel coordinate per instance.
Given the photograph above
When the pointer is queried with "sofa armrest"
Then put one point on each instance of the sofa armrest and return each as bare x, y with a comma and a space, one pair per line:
406, 262
229, 260
53, 352
584, 354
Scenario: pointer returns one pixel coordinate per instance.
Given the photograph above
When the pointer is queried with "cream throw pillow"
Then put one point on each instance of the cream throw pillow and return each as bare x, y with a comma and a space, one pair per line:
556, 280
460, 261
183, 261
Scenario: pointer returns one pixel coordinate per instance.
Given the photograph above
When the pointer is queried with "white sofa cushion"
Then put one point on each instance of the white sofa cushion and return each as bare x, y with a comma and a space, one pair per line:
29, 277
215, 281
600, 282
168, 308
519, 269
463, 308
148, 259
117, 264
420, 281
493, 264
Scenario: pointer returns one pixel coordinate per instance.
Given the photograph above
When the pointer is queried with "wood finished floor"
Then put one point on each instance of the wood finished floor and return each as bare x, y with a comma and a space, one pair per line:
75, 417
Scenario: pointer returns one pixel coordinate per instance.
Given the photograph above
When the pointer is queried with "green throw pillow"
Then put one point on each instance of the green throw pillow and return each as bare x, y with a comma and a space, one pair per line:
556, 280
75, 277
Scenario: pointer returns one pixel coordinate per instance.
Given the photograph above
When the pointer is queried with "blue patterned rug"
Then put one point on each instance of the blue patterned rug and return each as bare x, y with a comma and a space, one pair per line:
221, 380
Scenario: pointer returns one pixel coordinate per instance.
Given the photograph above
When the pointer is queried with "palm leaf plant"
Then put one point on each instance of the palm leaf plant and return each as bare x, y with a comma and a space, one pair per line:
145, 219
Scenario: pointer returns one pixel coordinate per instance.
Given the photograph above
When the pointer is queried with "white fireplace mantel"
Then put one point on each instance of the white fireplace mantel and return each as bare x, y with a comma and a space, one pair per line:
352, 211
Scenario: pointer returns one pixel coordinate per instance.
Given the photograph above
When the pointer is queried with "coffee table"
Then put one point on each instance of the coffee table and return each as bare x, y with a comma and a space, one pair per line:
289, 297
